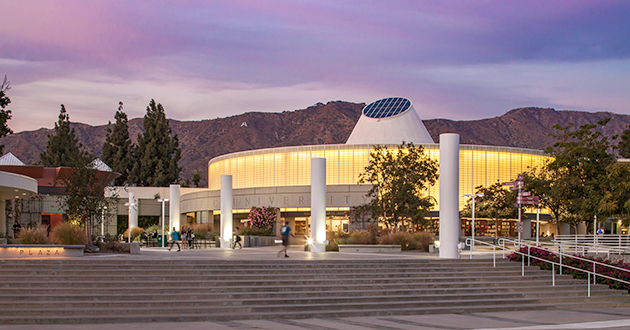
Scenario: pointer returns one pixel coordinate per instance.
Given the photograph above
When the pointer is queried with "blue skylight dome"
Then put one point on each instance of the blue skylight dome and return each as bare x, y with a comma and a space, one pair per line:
387, 107
390, 120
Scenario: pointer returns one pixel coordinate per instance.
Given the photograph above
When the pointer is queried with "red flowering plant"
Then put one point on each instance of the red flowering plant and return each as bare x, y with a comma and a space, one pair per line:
261, 220
579, 262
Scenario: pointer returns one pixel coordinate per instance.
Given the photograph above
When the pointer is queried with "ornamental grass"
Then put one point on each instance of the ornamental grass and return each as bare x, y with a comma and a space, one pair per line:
68, 234
38, 235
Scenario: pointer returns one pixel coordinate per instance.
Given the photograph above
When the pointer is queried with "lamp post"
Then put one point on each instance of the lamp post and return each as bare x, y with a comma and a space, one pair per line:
472, 227
103, 221
163, 200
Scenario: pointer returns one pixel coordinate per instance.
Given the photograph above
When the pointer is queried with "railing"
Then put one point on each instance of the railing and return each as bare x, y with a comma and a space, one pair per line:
618, 241
502, 245
579, 247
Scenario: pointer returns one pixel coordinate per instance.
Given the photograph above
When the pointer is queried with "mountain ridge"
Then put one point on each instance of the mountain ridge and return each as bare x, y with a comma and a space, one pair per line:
329, 123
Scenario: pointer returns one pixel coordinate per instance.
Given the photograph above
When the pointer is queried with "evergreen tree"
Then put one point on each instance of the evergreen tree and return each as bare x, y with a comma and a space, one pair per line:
63, 148
5, 115
117, 148
624, 144
157, 153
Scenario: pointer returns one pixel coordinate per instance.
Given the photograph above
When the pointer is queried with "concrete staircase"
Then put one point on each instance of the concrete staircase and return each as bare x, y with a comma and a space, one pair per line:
114, 291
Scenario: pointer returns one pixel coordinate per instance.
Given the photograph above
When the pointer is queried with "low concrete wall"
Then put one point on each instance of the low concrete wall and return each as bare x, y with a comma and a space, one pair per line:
40, 251
358, 248
256, 241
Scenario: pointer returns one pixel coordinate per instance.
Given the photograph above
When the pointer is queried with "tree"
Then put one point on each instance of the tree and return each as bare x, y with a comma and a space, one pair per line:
624, 143
63, 147
5, 115
497, 204
615, 201
84, 197
399, 179
580, 164
196, 179
157, 152
543, 182
117, 148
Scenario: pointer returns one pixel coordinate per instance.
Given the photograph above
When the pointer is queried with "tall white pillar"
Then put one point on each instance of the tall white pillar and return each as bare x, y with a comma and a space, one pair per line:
133, 211
318, 204
173, 208
226, 211
449, 196
3, 217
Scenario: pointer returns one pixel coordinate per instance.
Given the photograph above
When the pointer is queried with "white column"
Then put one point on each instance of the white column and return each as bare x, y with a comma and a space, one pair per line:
133, 211
527, 228
226, 211
173, 208
3, 216
449, 196
318, 204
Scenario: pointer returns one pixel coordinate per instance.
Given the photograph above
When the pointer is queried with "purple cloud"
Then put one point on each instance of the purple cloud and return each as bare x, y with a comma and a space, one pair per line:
238, 56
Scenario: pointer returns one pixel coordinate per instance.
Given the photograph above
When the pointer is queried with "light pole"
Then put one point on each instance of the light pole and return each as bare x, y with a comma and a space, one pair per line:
472, 227
163, 200
103, 221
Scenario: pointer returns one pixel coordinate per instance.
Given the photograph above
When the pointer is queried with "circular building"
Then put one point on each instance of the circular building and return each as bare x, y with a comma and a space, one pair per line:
280, 177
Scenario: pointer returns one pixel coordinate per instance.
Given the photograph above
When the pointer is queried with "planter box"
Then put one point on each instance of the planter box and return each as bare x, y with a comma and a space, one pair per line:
131, 248
256, 241
365, 248
42, 251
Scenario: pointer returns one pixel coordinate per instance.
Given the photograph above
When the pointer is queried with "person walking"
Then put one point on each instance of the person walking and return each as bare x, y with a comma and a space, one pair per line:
237, 239
175, 236
285, 231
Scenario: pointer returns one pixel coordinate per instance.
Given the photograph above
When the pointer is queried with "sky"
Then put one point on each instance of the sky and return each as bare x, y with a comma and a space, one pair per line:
459, 60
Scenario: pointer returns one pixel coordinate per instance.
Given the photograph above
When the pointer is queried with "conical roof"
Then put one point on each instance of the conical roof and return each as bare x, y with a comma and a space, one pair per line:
390, 120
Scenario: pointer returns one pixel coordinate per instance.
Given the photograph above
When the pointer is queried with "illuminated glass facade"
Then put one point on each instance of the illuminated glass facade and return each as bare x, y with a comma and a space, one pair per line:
290, 166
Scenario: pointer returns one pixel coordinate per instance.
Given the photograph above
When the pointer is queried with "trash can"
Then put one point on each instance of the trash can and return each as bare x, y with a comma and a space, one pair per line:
160, 238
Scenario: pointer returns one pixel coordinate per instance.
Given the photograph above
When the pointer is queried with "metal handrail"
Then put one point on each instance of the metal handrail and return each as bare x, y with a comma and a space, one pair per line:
602, 239
582, 248
594, 274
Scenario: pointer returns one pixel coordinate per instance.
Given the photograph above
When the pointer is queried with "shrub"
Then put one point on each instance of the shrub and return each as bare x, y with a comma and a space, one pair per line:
334, 239
423, 240
135, 233
404, 239
151, 229
68, 234
253, 231
581, 264
201, 230
37, 235
372, 228
262, 218
362, 237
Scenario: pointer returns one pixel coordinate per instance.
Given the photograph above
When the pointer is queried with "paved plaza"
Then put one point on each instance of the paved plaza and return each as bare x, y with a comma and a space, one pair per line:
609, 318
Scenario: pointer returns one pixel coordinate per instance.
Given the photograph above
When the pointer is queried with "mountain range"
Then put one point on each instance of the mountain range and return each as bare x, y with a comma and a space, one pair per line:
329, 123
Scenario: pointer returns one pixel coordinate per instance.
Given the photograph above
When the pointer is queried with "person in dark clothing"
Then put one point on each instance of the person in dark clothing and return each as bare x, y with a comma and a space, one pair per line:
17, 228
237, 239
190, 234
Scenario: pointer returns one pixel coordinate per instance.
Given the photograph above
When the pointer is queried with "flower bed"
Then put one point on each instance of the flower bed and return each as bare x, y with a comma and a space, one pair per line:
580, 264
